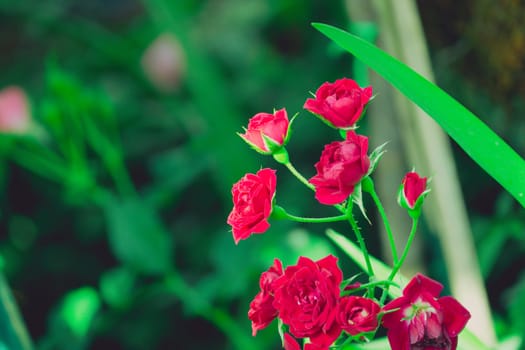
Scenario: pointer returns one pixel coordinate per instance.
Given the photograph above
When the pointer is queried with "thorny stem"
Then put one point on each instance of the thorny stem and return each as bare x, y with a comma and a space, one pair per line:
403, 257
368, 186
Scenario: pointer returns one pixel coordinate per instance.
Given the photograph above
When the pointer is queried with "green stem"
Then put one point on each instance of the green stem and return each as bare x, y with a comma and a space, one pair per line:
367, 286
13, 334
368, 186
397, 266
315, 220
362, 244
298, 175
39, 163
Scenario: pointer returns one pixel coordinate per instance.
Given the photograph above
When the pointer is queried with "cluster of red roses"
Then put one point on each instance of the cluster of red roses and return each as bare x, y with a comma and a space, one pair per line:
307, 297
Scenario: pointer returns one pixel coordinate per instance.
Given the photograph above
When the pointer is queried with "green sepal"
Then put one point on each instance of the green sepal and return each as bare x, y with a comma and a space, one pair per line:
289, 132
254, 146
357, 198
375, 156
278, 213
281, 156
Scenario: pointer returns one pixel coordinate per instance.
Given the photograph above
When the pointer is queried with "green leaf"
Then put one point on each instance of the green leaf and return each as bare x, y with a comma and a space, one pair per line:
13, 334
467, 339
137, 236
78, 310
117, 287
495, 156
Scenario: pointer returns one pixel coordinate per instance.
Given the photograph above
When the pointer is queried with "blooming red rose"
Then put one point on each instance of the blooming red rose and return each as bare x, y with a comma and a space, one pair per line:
342, 166
252, 204
420, 320
265, 128
357, 314
261, 311
306, 298
340, 104
413, 186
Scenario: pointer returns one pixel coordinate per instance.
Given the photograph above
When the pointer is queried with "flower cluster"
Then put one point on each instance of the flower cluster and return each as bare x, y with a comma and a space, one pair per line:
314, 304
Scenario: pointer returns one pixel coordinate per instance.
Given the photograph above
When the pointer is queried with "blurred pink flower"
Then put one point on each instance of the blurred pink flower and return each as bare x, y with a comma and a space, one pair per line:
15, 115
164, 62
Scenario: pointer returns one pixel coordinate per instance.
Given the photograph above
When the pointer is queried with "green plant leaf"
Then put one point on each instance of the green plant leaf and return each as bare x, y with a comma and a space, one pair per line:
487, 149
137, 236
78, 310
467, 339
13, 334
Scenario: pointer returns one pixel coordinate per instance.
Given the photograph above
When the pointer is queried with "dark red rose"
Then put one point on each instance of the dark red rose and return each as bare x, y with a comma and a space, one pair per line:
420, 320
262, 312
413, 186
340, 104
343, 164
272, 126
306, 298
252, 204
357, 314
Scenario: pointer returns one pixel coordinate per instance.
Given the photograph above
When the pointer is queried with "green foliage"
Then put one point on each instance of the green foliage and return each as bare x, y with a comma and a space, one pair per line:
112, 218
141, 243
477, 139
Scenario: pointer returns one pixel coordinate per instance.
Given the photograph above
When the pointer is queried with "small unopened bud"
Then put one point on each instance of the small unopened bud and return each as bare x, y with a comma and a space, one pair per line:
15, 114
164, 63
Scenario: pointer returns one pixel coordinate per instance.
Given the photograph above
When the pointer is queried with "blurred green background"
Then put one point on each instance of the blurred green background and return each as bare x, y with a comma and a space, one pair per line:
113, 227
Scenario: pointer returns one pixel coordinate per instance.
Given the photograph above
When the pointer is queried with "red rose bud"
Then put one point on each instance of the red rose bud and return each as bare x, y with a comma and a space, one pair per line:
340, 104
306, 298
267, 132
15, 115
252, 204
357, 314
420, 320
412, 192
262, 312
343, 165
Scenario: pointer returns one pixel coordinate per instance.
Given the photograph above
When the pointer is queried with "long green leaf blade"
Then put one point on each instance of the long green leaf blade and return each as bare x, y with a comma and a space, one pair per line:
486, 148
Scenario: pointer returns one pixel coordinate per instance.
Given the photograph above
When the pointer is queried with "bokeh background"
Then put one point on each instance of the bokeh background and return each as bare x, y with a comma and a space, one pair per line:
114, 199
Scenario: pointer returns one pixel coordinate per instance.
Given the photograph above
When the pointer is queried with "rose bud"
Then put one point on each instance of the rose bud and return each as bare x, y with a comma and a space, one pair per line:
267, 133
15, 115
412, 192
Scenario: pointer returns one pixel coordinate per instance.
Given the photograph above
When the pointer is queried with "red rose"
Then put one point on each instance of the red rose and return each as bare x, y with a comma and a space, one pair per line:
413, 187
340, 104
306, 298
357, 314
265, 128
252, 204
342, 166
261, 311
419, 320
